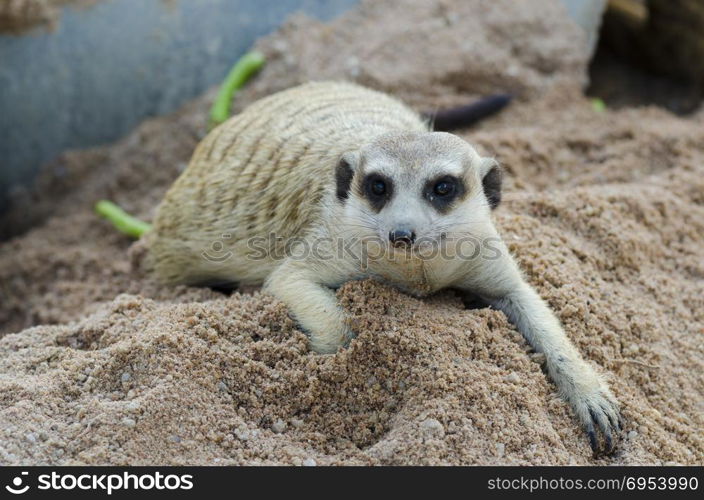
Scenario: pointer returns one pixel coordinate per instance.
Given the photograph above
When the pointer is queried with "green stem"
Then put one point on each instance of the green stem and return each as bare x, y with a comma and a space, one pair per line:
122, 221
242, 71
598, 105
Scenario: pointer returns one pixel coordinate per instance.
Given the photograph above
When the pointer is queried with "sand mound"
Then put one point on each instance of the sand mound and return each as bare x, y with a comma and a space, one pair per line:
604, 211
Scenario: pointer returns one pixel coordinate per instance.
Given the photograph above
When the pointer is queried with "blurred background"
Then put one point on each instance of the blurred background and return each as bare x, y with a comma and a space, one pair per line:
78, 73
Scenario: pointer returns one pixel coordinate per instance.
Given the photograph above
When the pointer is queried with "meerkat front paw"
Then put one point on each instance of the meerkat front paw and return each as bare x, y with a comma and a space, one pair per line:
597, 409
329, 342
328, 331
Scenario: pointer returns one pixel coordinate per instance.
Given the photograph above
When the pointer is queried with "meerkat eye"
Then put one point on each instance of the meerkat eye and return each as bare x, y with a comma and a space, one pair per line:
443, 192
444, 188
378, 187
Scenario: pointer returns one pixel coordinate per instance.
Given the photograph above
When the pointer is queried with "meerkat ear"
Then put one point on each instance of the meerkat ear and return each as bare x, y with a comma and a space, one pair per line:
344, 172
491, 175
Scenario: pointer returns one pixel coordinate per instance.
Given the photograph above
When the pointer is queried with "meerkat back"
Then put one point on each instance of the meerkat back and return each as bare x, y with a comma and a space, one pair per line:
261, 176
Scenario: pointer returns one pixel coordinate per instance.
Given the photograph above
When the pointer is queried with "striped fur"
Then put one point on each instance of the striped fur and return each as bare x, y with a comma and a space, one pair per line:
264, 172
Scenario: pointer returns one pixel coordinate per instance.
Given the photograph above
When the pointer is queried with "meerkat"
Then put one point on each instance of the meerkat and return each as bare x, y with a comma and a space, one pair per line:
329, 182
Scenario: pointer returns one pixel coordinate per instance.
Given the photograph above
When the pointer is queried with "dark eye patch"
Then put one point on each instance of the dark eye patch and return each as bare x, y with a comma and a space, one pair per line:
377, 189
343, 179
443, 191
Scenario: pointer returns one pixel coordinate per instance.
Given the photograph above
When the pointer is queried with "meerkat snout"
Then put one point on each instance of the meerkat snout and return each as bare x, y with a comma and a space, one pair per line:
402, 237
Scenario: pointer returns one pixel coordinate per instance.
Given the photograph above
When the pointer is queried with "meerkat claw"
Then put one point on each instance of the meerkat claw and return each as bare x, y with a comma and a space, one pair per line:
614, 420
591, 434
608, 423
349, 337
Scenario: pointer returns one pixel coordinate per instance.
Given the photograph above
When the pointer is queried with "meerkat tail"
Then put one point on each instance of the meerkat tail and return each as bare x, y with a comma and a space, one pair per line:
463, 116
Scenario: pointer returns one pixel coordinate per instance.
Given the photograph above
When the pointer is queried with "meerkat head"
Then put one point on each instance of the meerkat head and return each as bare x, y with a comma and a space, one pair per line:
414, 187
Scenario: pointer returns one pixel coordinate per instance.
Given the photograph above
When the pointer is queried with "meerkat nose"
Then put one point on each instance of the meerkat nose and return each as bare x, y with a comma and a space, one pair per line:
402, 237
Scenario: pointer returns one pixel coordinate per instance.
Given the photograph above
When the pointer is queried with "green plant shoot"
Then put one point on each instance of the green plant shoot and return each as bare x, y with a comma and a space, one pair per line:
122, 221
242, 71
